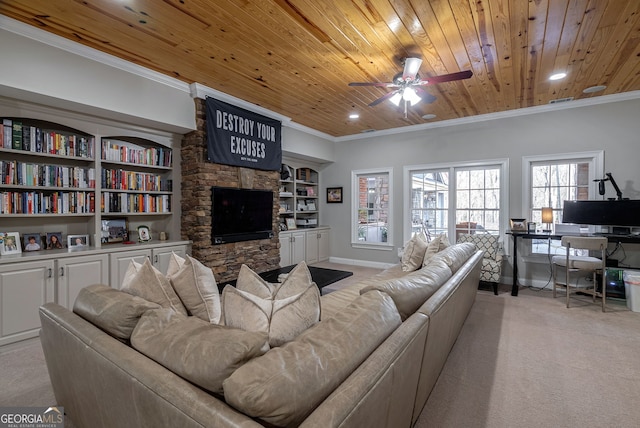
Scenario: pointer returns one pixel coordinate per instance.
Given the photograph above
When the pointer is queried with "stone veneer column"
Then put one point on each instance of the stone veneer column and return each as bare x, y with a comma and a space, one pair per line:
198, 176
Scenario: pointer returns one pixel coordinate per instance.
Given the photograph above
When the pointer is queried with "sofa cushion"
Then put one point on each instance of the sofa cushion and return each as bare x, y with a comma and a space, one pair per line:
201, 352
293, 306
196, 286
113, 311
413, 253
144, 280
411, 291
283, 386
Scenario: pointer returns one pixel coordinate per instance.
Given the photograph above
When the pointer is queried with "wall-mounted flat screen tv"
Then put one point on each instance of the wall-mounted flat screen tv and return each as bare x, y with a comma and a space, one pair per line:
624, 212
241, 214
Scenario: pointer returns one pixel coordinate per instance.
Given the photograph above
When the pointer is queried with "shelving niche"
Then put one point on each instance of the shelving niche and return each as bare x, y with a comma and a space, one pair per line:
66, 172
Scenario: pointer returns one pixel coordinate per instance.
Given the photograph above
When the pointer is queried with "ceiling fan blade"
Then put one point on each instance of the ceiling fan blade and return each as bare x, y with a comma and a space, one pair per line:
382, 98
411, 66
447, 77
426, 96
386, 85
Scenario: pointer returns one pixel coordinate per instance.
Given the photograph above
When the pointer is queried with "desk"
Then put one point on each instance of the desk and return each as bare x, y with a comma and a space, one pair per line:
633, 239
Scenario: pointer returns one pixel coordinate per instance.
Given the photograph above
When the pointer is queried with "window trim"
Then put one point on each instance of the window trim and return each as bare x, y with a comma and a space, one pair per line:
594, 157
355, 174
502, 163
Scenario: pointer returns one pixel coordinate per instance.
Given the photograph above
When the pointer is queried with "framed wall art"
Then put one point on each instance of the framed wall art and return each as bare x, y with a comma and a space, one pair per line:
334, 195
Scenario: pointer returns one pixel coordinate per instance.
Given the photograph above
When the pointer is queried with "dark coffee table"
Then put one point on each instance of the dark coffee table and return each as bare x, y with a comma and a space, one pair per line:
321, 276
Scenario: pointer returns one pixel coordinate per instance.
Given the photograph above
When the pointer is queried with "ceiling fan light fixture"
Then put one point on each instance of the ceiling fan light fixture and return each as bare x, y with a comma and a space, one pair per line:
395, 99
409, 94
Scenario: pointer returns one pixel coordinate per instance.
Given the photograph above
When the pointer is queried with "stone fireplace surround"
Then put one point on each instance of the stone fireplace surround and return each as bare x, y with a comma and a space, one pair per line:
198, 176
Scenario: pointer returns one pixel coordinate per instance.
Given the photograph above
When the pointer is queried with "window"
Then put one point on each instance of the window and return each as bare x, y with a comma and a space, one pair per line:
553, 180
371, 218
473, 202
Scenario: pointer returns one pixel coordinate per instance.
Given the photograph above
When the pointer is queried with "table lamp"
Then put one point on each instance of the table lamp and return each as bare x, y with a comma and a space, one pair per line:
547, 217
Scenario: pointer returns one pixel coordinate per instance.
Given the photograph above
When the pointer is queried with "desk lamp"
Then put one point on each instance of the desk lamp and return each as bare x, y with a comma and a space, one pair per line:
547, 217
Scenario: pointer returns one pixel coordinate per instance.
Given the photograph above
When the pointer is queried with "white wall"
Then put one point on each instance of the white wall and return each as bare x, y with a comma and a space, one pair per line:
38, 72
613, 127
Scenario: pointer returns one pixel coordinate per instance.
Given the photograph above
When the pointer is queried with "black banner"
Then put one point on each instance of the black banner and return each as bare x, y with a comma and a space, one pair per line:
239, 137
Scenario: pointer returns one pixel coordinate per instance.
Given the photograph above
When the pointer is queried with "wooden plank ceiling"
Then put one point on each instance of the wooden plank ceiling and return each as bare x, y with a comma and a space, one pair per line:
296, 57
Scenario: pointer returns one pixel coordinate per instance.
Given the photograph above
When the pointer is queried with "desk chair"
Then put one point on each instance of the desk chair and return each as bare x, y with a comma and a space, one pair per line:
573, 263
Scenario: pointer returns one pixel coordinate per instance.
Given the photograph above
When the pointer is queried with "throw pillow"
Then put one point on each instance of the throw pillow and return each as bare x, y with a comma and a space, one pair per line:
283, 312
413, 253
436, 245
200, 352
113, 311
196, 286
144, 280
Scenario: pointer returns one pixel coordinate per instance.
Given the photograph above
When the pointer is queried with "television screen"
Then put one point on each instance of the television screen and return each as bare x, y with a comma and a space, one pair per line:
241, 214
602, 213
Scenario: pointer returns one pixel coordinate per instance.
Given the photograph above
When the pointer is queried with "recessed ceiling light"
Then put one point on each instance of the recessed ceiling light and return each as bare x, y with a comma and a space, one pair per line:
429, 116
592, 89
557, 76
354, 116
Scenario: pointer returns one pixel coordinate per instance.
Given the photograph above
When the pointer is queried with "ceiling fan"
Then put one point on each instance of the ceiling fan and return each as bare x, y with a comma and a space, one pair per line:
409, 85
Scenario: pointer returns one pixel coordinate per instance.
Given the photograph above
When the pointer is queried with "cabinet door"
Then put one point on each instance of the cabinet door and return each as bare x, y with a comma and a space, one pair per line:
24, 287
161, 256
323, 245
298, 247
285, 249
75, 273
312, 246
119, 262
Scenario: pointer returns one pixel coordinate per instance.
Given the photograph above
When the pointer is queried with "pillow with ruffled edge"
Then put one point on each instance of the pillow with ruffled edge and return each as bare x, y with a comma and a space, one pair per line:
283, 312
413, 253
144, 280
196, 286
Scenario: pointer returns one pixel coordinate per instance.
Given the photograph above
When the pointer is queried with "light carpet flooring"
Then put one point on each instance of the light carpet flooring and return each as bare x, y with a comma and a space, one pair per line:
519, 362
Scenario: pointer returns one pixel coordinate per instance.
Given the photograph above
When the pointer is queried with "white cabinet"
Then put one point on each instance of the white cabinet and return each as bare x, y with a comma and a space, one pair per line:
119, 262
75, 273
299, 202
24, 287
317, 245
292, 247
161, 256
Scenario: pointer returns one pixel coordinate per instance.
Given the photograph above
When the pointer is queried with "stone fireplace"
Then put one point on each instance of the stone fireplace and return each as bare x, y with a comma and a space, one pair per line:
198, 176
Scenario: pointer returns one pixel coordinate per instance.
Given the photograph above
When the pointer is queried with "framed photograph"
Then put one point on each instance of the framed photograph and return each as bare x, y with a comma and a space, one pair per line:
77, 241
114, 230
291, 224
10, 243
518, 224
32, 242
144, 234
334, 195
54, 240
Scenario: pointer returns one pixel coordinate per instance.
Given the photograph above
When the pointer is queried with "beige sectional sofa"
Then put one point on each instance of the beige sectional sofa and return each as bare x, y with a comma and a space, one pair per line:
372, 360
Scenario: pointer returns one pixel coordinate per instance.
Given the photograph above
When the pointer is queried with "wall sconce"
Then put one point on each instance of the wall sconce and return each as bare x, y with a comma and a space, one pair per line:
547, 217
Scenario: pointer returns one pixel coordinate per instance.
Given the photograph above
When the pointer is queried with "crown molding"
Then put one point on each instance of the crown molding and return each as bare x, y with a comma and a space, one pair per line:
56, 41
526, 111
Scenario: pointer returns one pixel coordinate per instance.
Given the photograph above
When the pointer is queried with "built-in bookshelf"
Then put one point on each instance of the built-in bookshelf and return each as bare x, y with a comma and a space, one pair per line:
135, 177
56, 178
298, 197
46, 169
